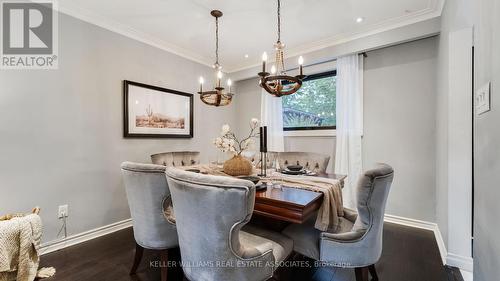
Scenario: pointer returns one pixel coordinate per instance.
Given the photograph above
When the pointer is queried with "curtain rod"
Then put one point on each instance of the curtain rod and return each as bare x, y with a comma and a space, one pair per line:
325, 61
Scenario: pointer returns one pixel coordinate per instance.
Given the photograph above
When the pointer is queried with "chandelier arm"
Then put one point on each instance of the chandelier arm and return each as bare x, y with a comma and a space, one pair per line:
268, 89
277, 90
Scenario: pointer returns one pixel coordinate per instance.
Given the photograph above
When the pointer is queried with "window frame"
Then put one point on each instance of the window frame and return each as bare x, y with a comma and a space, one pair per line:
330, 73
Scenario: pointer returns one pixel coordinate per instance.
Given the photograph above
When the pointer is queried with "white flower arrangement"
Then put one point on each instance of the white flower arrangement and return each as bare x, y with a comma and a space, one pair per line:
228, 142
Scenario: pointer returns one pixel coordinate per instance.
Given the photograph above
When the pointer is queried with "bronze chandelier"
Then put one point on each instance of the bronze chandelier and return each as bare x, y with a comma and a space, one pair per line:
278, 83
216, 97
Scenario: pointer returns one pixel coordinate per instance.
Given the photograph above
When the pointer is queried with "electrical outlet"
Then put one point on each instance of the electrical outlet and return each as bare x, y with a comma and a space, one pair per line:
63, 211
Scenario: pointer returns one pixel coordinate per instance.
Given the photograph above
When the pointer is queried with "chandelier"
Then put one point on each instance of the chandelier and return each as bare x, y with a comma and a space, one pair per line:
278, 83
216, 97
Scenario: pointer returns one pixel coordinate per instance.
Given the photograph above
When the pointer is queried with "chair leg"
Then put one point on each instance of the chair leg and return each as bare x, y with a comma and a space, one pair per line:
361, 273
164, 264
373, 272
137, 259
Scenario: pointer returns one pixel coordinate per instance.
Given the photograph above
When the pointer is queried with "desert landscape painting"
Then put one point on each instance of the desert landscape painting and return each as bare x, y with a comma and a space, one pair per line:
157, 120
152, 111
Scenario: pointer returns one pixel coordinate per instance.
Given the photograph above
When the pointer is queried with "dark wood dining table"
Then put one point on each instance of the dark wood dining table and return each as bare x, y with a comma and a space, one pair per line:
290, 204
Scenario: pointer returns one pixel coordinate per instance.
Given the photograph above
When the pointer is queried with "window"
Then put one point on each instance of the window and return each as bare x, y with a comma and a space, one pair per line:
312, 107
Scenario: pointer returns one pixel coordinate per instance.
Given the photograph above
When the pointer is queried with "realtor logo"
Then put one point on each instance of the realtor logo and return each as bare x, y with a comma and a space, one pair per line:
29, 32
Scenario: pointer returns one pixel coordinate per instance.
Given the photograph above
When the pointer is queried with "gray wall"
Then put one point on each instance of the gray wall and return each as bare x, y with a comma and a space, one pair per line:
61, 130
399, 122
487, 144
400, 95
247, 104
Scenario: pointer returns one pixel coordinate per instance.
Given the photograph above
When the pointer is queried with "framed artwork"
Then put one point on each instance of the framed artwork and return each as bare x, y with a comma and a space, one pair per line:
154, 112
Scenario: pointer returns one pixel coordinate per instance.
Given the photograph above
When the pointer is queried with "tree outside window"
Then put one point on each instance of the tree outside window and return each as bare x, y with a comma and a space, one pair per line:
313, 106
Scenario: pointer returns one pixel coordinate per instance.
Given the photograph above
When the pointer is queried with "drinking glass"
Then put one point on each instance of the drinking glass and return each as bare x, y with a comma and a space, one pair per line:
276, 176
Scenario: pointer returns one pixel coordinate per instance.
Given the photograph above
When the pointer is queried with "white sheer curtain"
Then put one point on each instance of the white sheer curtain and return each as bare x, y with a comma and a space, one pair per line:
271, 115
348, 157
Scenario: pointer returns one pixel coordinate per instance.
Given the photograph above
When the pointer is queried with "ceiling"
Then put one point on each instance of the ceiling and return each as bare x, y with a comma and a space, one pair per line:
186, 28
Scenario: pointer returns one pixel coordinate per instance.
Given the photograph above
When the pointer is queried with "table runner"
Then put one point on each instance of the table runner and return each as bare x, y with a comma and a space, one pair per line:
331, 209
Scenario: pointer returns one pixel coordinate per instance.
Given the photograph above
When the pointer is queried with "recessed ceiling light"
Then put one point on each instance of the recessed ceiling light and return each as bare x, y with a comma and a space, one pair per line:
246, 56
360, 19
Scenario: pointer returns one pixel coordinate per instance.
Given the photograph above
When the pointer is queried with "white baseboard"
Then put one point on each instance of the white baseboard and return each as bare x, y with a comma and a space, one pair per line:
53, 246
441, 245
467, 275
410, 222
464, 263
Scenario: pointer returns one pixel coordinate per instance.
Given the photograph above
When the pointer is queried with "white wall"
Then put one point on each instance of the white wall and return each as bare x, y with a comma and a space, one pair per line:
453, 159
460, 147
400, 95
61, 130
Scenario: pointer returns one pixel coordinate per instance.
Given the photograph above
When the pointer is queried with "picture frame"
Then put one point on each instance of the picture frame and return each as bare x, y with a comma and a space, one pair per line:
156, 112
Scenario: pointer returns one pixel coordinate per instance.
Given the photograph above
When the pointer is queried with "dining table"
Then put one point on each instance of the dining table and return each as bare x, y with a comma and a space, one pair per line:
280, 203
290, 204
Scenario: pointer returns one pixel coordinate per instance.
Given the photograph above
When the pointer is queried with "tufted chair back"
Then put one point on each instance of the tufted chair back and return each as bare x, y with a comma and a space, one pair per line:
311, 161
362, 245
254, 157
210, 212
176, 159
371, 196
147, 191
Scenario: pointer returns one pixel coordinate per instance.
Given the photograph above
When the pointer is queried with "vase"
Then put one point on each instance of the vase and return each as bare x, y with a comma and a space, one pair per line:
238, 166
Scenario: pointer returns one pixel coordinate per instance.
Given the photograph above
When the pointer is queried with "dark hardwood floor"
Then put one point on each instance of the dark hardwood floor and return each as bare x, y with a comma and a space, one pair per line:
409, 254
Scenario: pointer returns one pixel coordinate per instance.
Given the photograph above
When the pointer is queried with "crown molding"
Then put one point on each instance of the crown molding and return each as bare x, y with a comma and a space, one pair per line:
434, 10
127, 31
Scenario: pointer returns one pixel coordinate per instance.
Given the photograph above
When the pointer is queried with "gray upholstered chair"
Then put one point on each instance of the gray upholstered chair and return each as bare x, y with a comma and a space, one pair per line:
311, 161
357, 243
210, 212
254, 157
148, 194
176, 158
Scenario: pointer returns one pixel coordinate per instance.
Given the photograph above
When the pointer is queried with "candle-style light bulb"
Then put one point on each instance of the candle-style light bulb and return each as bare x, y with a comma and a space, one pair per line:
273, 69
219, 77
229, 83
201, 83
264, 59
301, 64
